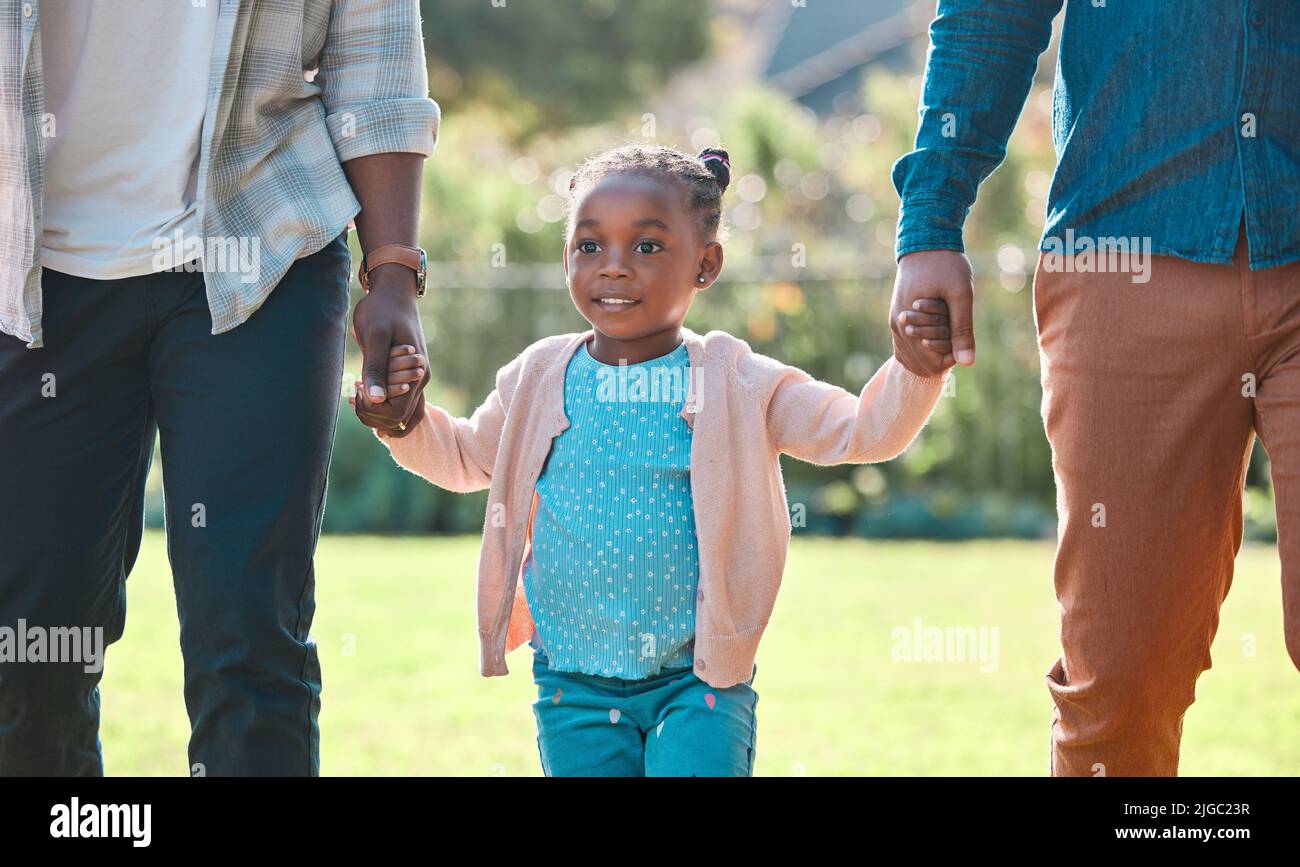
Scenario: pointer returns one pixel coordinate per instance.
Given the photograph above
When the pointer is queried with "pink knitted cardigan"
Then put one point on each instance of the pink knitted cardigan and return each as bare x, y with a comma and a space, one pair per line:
745, 410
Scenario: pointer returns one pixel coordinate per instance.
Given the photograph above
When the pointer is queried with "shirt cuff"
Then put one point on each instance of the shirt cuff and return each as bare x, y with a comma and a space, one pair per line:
387, 126
929, 223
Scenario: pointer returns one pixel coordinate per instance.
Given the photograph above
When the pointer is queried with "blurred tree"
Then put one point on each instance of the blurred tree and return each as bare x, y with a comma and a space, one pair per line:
808, 281
549, 64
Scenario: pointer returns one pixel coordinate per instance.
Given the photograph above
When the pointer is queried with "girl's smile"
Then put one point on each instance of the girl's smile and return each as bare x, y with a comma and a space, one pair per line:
614, 302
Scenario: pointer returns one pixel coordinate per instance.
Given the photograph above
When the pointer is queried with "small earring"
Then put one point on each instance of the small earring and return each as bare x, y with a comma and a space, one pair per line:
701, 279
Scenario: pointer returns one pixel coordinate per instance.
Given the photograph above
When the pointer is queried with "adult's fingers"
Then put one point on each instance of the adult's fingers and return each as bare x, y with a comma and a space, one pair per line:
416, 399
961, 303
378, 416
374, 367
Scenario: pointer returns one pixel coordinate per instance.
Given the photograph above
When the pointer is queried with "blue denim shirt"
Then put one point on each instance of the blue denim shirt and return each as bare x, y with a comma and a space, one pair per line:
1170, 120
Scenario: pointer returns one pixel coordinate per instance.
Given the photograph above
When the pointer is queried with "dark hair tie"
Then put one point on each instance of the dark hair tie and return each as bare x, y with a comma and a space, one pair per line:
709, 156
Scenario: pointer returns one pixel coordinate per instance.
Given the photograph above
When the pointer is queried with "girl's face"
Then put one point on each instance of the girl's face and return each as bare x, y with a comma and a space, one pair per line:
636, 256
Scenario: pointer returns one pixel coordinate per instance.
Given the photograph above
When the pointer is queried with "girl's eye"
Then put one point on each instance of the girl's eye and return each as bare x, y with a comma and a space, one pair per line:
640, 248
587, 246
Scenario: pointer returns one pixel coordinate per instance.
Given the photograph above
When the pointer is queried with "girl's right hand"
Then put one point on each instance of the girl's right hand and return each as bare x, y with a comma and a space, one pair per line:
405, 367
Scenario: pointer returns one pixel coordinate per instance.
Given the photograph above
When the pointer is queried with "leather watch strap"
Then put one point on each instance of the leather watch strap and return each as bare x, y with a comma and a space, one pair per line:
411, 257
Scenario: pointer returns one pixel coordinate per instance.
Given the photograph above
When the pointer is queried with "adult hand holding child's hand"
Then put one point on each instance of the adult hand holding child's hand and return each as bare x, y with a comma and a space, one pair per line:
406, 371
384, 322
933, 293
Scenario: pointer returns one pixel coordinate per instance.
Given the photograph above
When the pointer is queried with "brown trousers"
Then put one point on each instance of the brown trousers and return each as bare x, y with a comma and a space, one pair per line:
1152, 395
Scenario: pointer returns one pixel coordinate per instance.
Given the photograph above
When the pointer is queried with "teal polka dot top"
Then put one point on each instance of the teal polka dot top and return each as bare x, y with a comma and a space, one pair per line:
614, 568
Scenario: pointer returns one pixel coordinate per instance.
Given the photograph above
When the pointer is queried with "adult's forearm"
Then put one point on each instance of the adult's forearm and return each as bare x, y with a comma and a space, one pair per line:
388, 187
980, 68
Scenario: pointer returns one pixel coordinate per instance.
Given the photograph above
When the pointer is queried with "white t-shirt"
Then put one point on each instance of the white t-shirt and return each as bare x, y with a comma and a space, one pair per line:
126, 84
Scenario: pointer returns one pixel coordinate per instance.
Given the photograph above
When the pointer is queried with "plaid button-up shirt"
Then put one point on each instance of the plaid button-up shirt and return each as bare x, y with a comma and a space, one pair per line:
296, 88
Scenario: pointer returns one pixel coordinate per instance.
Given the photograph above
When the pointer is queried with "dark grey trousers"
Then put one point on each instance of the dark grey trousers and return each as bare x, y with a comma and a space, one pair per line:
246, 420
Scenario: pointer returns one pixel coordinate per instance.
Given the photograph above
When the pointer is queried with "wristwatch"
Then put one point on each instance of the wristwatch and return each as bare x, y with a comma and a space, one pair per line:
412, 257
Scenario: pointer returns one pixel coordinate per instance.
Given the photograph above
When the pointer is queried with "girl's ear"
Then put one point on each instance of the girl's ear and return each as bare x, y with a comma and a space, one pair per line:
565, 256
710, 265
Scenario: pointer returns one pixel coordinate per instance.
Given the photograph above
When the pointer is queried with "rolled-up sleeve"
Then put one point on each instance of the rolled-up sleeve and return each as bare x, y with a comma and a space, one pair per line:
374, 81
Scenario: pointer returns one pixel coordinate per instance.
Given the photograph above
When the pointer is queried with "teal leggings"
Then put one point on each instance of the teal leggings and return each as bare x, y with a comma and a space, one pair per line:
669, 725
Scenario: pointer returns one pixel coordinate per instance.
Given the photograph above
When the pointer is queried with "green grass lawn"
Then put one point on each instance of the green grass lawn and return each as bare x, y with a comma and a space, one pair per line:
403, 695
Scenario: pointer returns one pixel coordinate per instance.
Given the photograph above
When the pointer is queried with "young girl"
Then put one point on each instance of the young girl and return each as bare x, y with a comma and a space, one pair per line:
637, 523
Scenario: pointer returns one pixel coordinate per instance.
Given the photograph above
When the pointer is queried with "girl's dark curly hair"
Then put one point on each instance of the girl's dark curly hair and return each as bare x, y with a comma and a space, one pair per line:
703, 178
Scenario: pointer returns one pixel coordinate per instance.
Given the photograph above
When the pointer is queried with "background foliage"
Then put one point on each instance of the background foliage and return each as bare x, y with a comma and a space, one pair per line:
531, 89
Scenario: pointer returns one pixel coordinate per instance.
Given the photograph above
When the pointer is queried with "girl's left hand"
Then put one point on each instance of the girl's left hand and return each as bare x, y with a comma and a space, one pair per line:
928, 323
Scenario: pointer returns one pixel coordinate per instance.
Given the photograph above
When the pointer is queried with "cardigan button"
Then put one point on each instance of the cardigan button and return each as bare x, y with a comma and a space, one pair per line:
699, 596
699, 663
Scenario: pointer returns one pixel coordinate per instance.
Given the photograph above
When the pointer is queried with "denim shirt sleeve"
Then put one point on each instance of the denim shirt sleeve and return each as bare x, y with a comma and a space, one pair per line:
980, 66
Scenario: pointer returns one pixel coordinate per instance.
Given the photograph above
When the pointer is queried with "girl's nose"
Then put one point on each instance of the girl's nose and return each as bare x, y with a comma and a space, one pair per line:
612, 266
